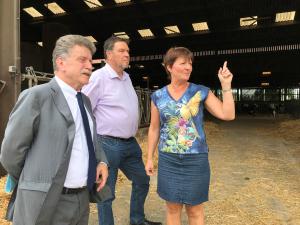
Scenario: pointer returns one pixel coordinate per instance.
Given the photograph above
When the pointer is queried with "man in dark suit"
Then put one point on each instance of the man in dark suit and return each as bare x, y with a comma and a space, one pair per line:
50, 146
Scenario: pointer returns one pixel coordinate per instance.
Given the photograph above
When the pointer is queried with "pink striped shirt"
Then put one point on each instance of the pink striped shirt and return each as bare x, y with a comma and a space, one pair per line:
114, 103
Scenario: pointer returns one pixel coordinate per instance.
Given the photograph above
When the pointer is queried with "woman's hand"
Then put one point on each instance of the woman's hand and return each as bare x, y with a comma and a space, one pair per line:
225, 76
149, 167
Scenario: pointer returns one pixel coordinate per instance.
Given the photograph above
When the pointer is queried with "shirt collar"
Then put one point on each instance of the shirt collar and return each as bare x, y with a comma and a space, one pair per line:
113, 74
65, 87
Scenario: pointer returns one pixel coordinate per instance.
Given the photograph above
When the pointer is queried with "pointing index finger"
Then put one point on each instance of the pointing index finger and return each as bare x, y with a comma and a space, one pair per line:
225, 65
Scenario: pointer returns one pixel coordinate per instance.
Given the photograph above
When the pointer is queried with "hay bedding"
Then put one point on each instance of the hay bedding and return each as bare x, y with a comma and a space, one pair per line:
4, 198
290, 130
262, 201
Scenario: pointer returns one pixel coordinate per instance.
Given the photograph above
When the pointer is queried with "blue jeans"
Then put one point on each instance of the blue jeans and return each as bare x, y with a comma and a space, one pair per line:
126, 156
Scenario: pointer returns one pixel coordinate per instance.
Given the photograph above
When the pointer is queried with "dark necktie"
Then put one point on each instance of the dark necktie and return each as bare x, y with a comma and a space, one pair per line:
92, 158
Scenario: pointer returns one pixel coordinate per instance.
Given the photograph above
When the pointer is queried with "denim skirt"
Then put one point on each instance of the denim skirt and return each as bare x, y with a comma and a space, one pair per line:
183, 178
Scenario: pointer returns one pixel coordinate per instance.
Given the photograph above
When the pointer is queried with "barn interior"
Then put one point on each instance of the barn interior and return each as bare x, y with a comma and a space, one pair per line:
260, 40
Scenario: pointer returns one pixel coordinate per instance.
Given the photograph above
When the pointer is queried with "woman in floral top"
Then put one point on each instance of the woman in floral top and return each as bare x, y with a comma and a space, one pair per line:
177, 123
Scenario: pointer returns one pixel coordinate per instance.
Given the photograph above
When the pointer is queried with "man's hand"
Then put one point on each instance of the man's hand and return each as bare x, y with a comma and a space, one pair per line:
101, 175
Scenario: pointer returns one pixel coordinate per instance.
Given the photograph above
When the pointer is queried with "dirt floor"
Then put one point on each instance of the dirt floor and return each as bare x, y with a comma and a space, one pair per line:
255, 163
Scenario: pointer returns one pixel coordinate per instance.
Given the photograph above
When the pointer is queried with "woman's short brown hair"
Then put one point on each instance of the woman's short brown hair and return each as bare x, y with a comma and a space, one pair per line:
173, 54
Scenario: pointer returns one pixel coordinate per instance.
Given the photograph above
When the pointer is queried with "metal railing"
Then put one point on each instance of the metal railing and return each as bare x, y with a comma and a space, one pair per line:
34, 77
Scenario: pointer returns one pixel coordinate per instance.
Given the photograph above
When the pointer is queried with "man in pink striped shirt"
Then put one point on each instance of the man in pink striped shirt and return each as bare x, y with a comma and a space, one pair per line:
115, 106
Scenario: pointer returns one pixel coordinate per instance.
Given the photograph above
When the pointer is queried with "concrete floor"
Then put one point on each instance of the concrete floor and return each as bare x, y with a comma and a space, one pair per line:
255, 177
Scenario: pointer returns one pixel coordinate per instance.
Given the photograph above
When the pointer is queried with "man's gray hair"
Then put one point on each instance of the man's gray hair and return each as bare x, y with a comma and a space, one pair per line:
110, 42
65, 43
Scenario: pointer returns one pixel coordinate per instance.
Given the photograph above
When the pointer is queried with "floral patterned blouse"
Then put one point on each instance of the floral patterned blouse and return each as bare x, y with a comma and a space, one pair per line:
181, 121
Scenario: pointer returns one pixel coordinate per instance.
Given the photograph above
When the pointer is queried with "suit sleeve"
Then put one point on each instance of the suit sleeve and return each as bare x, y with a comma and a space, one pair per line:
19, 133
100, 154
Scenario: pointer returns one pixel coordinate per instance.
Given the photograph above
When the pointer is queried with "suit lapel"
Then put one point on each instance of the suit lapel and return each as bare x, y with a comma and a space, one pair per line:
87, 105
60, 102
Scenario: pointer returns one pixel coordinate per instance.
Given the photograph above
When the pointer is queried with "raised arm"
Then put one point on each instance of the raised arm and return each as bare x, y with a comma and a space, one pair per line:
225, 109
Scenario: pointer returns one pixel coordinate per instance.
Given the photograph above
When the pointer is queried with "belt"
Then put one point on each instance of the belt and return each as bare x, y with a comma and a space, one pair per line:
117, 138
66, 190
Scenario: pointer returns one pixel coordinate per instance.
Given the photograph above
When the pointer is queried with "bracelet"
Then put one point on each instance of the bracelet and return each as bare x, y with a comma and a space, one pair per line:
226, 90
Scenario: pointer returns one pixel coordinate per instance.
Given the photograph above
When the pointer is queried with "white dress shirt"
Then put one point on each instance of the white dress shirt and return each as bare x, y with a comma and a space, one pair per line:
78, 167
